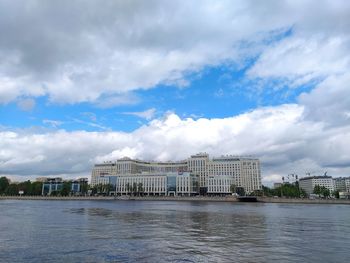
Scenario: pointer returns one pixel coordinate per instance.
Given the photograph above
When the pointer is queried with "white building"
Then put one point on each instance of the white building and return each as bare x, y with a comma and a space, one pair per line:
342, 184
157, 184
220, 184
101, 172
244, 171
308, 183
347, 184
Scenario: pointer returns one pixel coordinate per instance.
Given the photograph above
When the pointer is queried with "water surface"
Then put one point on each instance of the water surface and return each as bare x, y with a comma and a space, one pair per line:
156, 231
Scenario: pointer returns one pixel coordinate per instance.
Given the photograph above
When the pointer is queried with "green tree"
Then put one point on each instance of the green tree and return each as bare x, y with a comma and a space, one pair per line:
233, 188
321, 191
140, 189
37, 188
66, 188
4, 183
336, 194
325, 191
317, 190
128, 188
26, 187
240, 191
134, 188
12, 189
84, 188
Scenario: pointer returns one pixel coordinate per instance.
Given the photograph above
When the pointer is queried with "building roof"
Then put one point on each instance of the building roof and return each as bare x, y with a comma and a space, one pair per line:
315, 177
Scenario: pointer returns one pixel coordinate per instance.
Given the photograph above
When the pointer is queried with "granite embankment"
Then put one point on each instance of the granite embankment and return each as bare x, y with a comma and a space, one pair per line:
303, 201
180, 198
125, 198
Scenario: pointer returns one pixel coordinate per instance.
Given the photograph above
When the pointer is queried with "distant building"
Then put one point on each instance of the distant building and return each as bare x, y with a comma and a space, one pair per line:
347, 184
79, 186
342, 184
41, 179
220, 184
51, 184
339, 184
243, 171
181, 183
308, 183
344, 195
56, 184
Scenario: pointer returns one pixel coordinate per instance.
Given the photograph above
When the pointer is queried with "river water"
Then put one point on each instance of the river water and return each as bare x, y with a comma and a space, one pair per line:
156, 231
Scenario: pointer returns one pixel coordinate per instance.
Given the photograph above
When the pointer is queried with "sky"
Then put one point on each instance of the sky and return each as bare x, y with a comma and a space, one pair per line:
82, 82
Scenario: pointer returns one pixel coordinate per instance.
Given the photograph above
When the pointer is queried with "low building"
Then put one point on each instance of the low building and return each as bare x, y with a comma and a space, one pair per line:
344, 195
181, 183
347, 184
51, 184
339, 184
79, 186
308, 183
342, 184
220, 184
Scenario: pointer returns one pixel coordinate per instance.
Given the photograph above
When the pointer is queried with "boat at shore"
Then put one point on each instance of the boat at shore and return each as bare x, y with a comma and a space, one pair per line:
247, 199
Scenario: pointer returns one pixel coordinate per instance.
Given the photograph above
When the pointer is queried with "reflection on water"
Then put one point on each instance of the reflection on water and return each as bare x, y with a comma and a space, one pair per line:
142, 231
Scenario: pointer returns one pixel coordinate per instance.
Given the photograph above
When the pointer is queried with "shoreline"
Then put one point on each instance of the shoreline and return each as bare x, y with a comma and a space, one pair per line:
178, 198
131, 198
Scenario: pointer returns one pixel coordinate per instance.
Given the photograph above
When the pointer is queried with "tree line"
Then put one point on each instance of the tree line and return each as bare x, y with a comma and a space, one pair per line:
28, 187
293, 191
35, 188
285, 190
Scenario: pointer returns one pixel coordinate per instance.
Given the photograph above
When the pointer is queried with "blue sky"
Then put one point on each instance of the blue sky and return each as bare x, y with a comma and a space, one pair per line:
165, 79
215, 92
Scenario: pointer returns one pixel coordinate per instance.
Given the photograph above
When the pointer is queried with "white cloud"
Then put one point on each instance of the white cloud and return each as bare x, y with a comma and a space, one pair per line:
300, 60
329, 101
280, 136
109, 50
147, 114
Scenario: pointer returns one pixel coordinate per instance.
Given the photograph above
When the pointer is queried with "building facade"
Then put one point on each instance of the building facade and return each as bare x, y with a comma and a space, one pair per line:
51, 184
220, 184
308, 183
180, 183
79, 186
342, 184
102, 171
242, 171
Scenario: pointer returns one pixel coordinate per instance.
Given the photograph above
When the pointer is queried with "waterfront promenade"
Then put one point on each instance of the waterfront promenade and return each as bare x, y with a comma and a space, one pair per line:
125, 198
180, 198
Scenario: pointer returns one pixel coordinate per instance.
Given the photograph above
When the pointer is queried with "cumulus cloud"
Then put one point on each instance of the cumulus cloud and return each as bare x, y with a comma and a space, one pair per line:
73, 54
279, 136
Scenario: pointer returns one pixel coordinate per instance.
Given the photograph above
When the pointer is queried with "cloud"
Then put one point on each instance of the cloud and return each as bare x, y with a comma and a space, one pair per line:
26, 104
147, 114
298, 61
280, 136
105, 102
91, 124
329, 101
53, 123
100, 53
